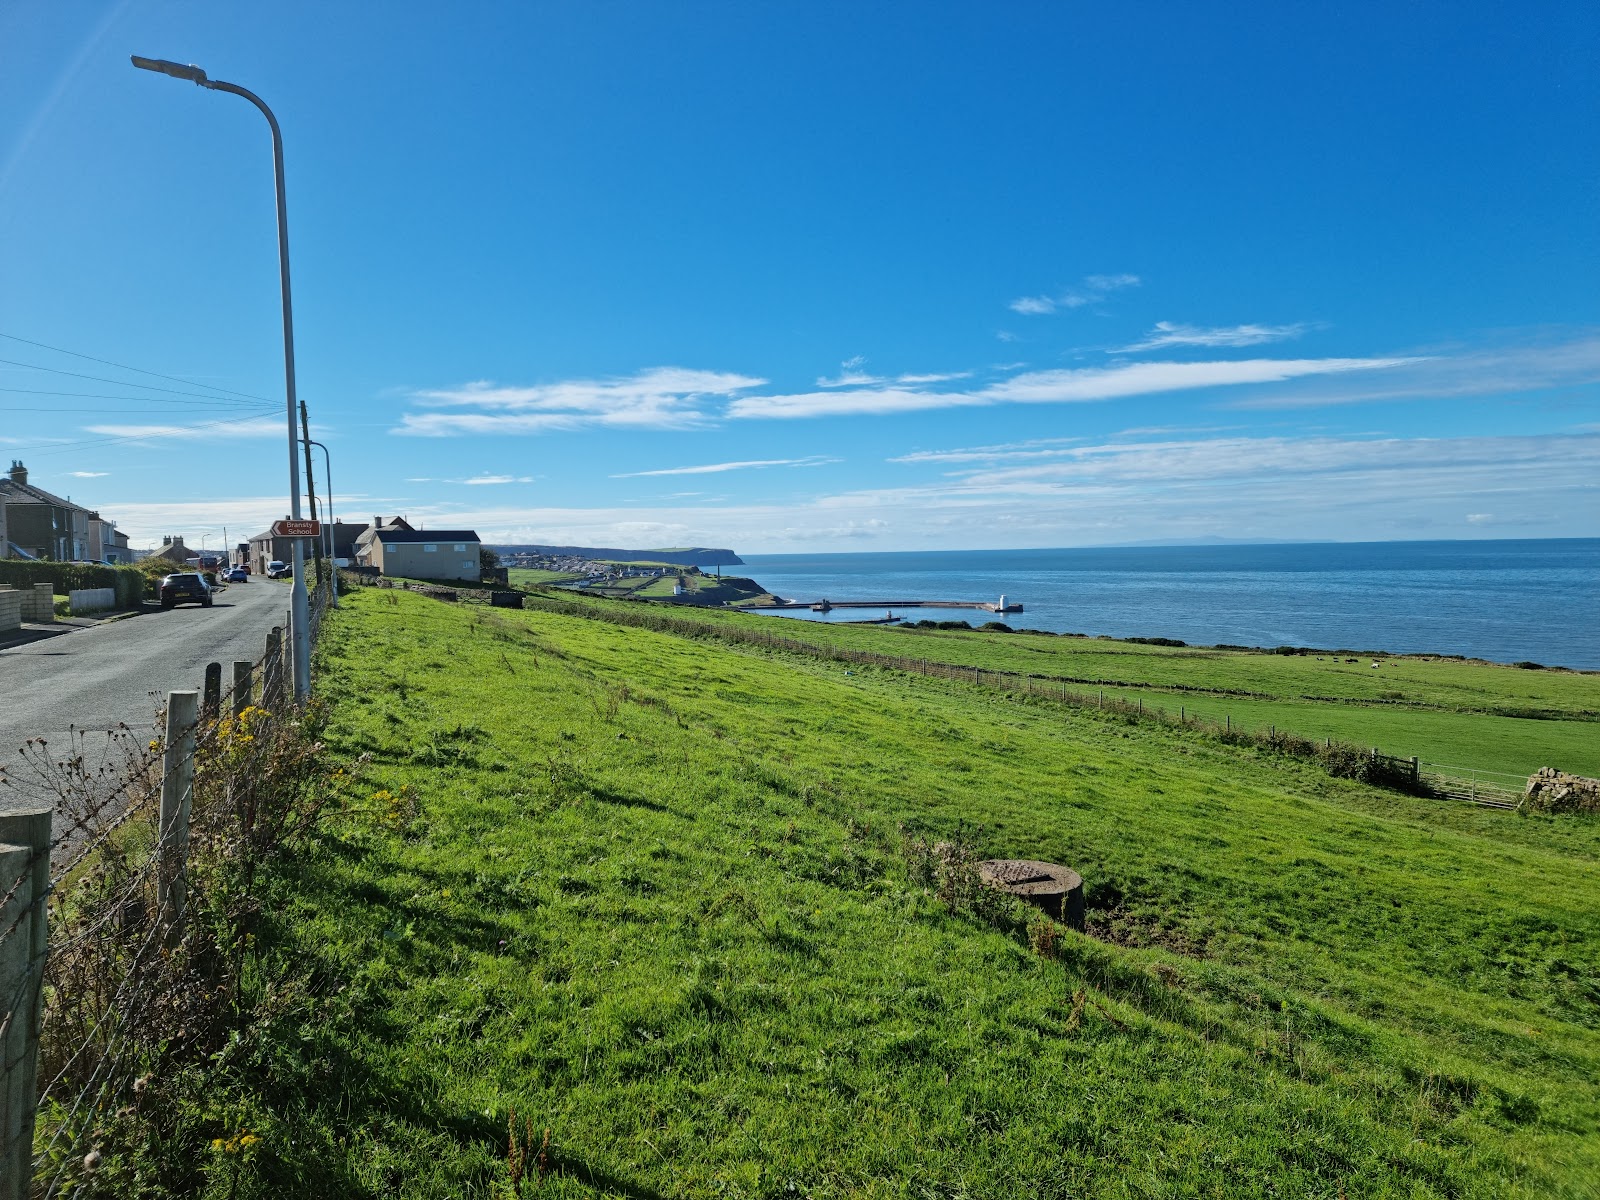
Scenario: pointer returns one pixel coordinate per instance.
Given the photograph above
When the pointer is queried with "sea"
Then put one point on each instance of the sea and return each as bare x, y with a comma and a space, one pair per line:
1505, 601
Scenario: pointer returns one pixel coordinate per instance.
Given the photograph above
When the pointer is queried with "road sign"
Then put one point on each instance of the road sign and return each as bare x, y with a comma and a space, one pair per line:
296, 529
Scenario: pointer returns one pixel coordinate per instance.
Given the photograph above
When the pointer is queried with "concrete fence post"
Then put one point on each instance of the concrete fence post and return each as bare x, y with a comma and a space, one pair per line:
212, 703
242, 683
177, 790
24, 862
272, 668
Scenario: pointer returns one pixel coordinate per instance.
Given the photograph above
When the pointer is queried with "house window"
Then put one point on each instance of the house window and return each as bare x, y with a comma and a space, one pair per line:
429, 549
459, 549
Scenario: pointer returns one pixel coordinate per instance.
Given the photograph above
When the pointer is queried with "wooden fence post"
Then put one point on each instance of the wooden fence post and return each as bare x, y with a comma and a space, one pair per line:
212, 702
242, 681
25, 863
177, 789
272, 668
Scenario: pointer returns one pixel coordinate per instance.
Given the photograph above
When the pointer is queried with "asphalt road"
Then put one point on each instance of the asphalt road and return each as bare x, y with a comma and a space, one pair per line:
93, 678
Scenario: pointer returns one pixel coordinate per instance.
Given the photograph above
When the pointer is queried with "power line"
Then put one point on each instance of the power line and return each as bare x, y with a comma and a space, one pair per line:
127, 383
137, 370
266, 405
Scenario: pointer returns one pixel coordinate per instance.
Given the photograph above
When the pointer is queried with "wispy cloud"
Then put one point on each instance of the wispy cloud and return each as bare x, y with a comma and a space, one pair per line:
1550, 362
1354, 488
1093, 289
1054, 387
718, 468
1167, 334
921, 379
849, 379
88, 474
659, 398
262, 427
1006, 451
482, 480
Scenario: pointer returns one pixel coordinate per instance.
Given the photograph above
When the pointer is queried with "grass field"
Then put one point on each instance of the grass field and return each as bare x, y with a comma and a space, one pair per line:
655, 895
1474, 715
528, 577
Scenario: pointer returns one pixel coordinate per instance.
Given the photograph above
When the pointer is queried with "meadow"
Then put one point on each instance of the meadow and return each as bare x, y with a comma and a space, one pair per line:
1473, 715
610, 912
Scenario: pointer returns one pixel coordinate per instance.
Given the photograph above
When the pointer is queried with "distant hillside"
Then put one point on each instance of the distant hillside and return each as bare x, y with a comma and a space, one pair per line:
682, 556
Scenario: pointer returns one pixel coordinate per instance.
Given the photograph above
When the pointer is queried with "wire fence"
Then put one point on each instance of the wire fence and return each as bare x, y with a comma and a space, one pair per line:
128, 883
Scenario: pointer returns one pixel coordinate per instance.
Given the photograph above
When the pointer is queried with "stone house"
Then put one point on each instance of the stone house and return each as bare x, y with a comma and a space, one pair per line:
40, 524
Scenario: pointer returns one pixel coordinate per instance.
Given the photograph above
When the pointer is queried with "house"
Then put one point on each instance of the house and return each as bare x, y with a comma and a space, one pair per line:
264, 548
40, 524
106, 542
173, 549
423, 553
345, 536
364, 553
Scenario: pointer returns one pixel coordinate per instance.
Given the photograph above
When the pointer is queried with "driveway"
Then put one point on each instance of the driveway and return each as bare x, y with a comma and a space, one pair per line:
98, 677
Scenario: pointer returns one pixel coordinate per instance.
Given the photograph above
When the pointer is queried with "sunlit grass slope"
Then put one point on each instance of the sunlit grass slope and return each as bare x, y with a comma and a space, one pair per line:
653, 898
1460, 713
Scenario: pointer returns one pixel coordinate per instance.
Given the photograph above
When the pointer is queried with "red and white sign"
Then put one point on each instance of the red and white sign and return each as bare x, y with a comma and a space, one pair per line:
297, 529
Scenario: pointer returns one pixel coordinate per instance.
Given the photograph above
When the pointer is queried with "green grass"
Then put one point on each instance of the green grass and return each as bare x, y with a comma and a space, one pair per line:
1470, 714
653, 898
528, 577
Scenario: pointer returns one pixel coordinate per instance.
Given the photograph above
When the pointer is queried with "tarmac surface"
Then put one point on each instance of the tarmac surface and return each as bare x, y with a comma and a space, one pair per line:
96, 677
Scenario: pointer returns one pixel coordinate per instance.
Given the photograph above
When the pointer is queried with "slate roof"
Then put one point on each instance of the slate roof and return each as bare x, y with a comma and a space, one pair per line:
26, 493
393, 536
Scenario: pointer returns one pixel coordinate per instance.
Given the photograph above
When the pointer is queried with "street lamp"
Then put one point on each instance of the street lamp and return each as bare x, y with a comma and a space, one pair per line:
331, 529
299, 615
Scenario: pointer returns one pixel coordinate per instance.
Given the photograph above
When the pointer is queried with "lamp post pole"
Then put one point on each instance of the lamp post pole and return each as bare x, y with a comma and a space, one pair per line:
299, 614
331, 529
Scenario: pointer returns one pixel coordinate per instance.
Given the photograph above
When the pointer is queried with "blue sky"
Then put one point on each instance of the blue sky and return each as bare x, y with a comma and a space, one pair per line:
822, 276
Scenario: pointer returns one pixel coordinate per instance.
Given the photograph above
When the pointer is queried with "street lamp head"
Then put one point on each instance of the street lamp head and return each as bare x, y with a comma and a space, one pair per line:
191, 72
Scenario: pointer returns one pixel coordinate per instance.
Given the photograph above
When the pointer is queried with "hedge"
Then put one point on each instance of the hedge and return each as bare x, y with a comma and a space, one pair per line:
128, 582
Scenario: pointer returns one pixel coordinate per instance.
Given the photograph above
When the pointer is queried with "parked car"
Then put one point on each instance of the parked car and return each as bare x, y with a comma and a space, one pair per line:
279, 570
236, 575
179, 589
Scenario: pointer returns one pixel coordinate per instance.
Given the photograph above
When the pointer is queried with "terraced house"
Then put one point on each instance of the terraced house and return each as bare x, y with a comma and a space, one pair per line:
35, 523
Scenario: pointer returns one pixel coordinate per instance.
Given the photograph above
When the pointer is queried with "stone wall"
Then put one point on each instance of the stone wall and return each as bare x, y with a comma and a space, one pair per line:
10, 609
39, 602
1550, 790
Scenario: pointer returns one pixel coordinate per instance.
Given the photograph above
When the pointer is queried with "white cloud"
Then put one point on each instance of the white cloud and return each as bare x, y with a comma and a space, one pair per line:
1167, 334
718, 468
252, 428
850, 364
1093, 289
481, 480
1343, 488
1544, 363
658, 398
1009, 451
849, 379
88, 474
1080, 385
946, 378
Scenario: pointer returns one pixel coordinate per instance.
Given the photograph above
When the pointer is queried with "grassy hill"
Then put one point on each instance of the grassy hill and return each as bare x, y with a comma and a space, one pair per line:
671, 901
1471, 714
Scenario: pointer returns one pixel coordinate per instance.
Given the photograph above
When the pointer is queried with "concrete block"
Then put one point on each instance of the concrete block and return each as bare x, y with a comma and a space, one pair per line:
89, 600
10, 610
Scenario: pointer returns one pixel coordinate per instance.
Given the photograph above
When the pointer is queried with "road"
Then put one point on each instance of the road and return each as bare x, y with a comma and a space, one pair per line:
95, 678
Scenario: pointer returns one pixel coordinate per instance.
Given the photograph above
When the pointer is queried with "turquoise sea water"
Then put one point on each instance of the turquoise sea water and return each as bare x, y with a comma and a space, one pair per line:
1506, 601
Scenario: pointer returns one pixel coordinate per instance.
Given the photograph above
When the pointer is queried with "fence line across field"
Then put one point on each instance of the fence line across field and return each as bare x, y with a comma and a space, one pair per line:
158, 781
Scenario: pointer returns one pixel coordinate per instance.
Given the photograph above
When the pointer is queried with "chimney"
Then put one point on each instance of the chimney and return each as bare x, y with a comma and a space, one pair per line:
166, 540
18, 472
